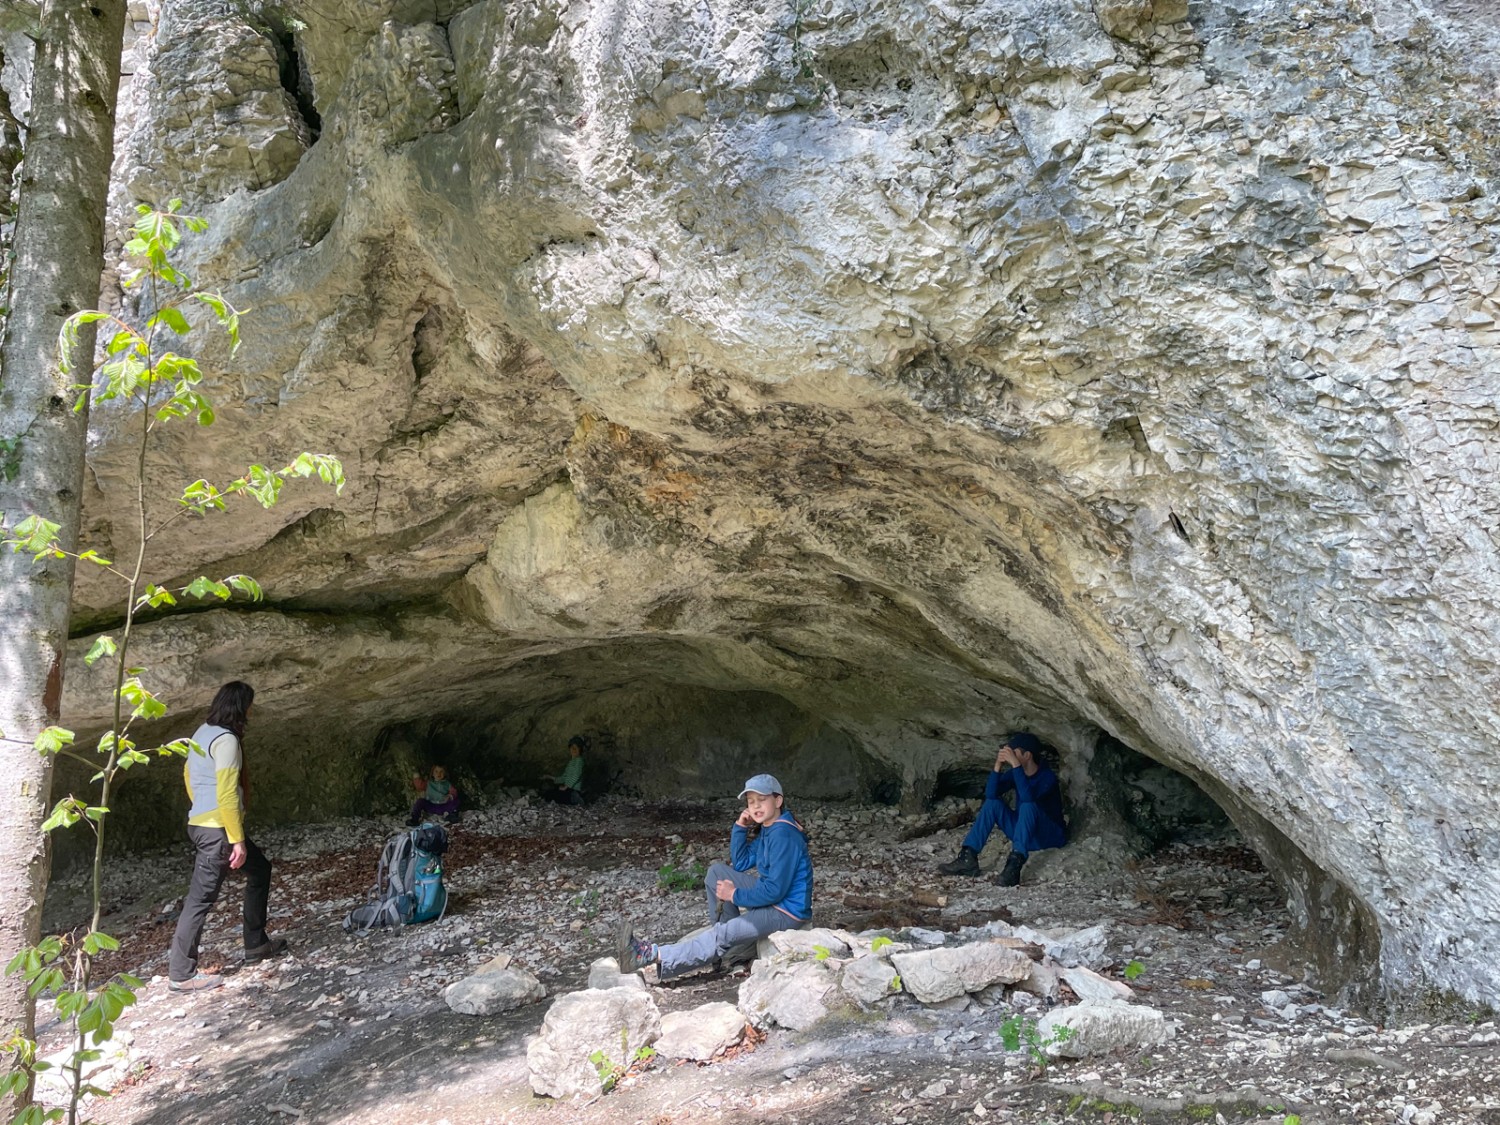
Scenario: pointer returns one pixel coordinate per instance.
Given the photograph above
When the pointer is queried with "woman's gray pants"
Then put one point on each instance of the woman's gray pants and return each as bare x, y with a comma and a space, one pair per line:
728, 927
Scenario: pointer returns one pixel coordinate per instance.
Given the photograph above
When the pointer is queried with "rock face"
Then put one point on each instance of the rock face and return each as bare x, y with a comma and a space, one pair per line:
836, 386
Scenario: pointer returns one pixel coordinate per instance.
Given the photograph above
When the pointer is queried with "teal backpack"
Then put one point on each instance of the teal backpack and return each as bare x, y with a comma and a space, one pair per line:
408, 883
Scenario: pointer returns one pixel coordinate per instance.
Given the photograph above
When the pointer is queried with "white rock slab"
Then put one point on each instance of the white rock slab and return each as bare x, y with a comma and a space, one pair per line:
700, 1033
789, 993
605, 973
1099, 1028
1091, 988
869, 978
935, 975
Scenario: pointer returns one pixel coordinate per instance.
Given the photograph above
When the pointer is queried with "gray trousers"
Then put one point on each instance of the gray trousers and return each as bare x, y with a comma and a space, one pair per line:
728, 927
210, 866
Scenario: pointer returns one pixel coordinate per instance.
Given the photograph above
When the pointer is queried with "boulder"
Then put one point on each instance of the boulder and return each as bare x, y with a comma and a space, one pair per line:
935, 975
1076, 947
787, 992
700, 1033
491, 991
868, 978
831, 943
614, 1022
1097, 1029
605, 973
1090, 987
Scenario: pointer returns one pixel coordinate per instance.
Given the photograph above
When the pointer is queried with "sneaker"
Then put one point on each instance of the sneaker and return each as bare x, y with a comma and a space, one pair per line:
198, 982
1010, 876
453, 817
631, 953
274, 947
966, 862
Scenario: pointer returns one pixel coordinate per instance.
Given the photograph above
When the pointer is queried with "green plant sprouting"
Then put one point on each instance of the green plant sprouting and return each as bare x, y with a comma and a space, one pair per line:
1022, 1032
673, 876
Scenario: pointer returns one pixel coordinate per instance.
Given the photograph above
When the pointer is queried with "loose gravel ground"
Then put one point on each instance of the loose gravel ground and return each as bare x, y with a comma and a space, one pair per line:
354, 1029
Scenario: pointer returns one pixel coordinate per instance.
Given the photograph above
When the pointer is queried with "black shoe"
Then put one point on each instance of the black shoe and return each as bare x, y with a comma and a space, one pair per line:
452, 818
1010, 876
274, 947
965, 863
413, 821
631, 953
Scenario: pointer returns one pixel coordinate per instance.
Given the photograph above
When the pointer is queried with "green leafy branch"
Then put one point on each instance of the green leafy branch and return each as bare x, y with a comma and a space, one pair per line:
165, 386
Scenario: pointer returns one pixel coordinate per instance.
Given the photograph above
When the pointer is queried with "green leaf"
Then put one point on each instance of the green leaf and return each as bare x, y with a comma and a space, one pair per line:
170, 317
90, 1019
246, 584
329, 469
68, 336
102, 646
94, 556
52, 739
181, 747
145, 705
35, 536
155, 597
200, 496
98, 940
202, 587
65, 815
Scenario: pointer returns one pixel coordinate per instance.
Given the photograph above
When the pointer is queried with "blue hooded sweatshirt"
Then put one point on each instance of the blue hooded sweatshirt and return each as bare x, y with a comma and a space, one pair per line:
779, 854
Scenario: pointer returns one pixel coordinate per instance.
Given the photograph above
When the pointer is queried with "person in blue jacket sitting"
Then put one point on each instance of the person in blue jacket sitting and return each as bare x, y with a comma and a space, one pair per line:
766, 886
1035, 823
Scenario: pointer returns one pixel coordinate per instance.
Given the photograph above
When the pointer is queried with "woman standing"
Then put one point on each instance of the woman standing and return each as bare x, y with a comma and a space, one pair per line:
215, 780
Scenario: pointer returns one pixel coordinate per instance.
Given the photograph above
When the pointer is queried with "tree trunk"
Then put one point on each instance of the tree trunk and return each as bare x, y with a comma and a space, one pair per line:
59, 251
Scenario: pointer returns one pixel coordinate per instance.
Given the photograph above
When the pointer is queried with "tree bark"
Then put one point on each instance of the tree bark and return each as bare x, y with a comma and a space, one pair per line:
59, 251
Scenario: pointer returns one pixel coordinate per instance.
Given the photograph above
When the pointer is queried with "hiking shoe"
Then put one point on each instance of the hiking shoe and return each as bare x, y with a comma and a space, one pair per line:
1010, 875
198, 982
631, 953
452, 818
966, 862
275, 947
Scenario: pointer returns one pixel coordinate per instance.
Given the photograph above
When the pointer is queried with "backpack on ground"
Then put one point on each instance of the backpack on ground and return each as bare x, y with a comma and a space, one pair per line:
408, 883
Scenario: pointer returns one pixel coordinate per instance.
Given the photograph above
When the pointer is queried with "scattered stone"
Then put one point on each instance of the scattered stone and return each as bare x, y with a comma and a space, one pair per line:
1358, 1056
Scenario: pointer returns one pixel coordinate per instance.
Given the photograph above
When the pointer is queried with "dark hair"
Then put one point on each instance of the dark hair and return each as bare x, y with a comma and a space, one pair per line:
229, 706
581, 741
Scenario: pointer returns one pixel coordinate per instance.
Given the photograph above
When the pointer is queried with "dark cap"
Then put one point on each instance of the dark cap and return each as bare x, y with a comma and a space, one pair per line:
1024, 740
